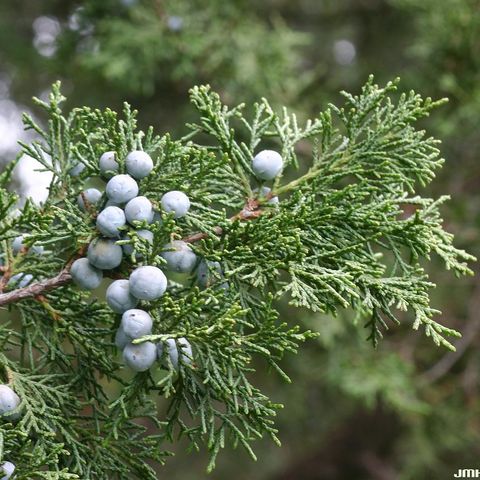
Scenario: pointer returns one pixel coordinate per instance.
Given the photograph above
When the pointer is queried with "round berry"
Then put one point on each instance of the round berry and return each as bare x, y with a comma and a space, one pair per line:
122, 339
175, 202
139, 164
148, 283
104, 253
121, 188
85, 275
7, 468
208, 273
92, 197
144, 234
172, 349
139, 209
9, 401
108, 165
179, 256
77, 169
19, 242
119, 298
264, 191
140, 357
110, 220
267, 164
175, 23
136, 323
20, 280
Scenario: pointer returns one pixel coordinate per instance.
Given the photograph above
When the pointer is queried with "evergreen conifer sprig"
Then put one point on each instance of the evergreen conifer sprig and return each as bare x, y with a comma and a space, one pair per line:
351, 232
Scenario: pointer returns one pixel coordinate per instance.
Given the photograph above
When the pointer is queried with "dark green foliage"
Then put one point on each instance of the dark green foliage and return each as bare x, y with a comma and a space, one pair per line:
141, 50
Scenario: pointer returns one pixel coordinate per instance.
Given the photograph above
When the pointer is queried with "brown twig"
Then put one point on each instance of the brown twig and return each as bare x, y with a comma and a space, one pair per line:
250, 211
196, 237
37, 288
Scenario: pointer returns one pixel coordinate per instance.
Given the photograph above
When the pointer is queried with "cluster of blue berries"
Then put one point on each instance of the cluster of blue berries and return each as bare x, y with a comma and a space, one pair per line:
140, 357
9, 403
122, 208
146, 283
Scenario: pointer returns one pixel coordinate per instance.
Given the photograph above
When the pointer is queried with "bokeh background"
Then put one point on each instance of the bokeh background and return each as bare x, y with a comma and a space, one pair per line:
406, 411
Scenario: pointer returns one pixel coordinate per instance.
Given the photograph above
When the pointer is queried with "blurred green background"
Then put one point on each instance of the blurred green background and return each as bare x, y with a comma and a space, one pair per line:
405, 411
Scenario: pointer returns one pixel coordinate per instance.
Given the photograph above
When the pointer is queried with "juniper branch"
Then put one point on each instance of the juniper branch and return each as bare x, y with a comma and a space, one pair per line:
251, 210
350, 233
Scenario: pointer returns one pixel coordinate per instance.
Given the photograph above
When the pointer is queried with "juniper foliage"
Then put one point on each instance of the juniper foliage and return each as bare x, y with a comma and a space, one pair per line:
350, 232
262, 54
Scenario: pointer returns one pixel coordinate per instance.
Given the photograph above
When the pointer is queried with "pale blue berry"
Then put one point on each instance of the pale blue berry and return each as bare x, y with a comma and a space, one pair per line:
264, 191
179, 256
267, 164
139, 209
7, 468
119, 298
148, 283
175, 23
85, 275
20, 280
139, 164
92, 196
121, 188
108, 165
175, 202
110, 221
77, 169
172, 348
144, 234
136, 323
122, 339
19, 242
9, 401
208, 273
104, 253
140, 357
